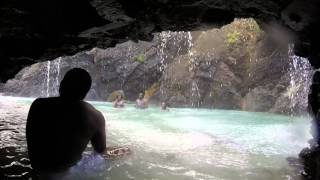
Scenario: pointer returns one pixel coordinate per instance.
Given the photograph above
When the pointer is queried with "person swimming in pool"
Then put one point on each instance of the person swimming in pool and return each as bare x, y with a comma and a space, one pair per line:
164, 106
118, 102
140, 102
59, 129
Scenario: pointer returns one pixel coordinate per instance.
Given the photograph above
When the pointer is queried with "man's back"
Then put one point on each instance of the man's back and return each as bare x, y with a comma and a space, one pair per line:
58, 131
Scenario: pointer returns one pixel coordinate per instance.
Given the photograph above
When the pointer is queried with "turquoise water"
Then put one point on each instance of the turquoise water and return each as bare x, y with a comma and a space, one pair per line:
201, 143
205, 144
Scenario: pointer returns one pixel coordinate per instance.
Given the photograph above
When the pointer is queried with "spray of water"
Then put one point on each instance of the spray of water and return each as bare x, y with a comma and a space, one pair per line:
56, 73
195, 93
171, 45
300, 72
52, 77
48, 78
58, 70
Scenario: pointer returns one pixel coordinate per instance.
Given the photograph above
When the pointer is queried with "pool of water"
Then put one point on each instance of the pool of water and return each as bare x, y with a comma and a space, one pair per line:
179, 144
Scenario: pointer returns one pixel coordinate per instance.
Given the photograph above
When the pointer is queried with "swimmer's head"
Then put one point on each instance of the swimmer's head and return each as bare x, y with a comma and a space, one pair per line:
75, 84
141, 96
119, 97
164, 105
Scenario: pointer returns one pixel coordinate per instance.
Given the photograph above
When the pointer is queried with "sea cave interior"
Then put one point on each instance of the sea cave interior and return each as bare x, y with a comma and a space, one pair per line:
240, 79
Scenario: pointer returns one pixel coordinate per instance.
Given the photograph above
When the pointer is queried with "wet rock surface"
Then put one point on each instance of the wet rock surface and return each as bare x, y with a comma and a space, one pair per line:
238, 67
111, 69
310, 156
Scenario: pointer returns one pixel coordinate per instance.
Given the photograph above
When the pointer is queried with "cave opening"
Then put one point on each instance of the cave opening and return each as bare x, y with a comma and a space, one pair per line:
236, 62
236, 93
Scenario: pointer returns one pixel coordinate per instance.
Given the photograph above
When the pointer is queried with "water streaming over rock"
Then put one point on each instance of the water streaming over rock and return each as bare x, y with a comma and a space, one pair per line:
48, 79
195, 92
162, 53
57, 77
172, 44
183, 43
52, 77
300, 73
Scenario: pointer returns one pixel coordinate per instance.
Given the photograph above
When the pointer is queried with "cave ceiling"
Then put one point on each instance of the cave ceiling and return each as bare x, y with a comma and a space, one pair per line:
38, 30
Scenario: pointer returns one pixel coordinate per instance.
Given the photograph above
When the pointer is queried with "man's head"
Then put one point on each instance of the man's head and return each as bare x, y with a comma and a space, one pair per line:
119, 97
163, 105
75, 84
141, 96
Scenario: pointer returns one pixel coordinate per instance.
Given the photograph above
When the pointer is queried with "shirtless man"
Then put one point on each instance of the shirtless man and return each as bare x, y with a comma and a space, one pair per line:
59, 129
140, 103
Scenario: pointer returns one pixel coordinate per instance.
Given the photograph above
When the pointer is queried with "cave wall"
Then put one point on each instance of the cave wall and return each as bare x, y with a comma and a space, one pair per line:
111, 69
131, 67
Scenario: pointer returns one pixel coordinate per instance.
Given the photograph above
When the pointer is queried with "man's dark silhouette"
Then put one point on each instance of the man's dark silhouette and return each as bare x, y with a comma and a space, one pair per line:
59, 128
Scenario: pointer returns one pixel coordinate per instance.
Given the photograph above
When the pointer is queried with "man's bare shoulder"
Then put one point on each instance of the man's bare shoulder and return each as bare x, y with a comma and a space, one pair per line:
92, 110
44, 100
39, 102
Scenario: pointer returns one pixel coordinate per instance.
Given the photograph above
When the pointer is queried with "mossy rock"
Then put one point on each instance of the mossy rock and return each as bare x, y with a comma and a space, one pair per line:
140, 58
151, 90
114, 95
232, 37
241, 32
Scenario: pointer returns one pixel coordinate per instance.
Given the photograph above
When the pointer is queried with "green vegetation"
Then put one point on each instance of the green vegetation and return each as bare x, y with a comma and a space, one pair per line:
140, 58
255, 27
242, 31
232, 37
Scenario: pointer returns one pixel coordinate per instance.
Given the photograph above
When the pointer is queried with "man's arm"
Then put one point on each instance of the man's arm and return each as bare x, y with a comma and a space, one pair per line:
98, 140
30, 126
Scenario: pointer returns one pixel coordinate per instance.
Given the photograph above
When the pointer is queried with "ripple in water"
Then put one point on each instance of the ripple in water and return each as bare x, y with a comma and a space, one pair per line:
179, 144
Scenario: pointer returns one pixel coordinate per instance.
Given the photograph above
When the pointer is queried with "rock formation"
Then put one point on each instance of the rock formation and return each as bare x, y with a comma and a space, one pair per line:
236, 67
111, 69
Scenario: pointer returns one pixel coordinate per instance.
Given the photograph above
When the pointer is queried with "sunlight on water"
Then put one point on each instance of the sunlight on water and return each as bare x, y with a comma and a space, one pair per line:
187, 143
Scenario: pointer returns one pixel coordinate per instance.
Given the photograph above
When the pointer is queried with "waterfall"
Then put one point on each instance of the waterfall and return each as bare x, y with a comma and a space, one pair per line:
55, 74
171, 46
163, 38
195, 93
52, 77
161, 49
58, 74
300, 73
48, 78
